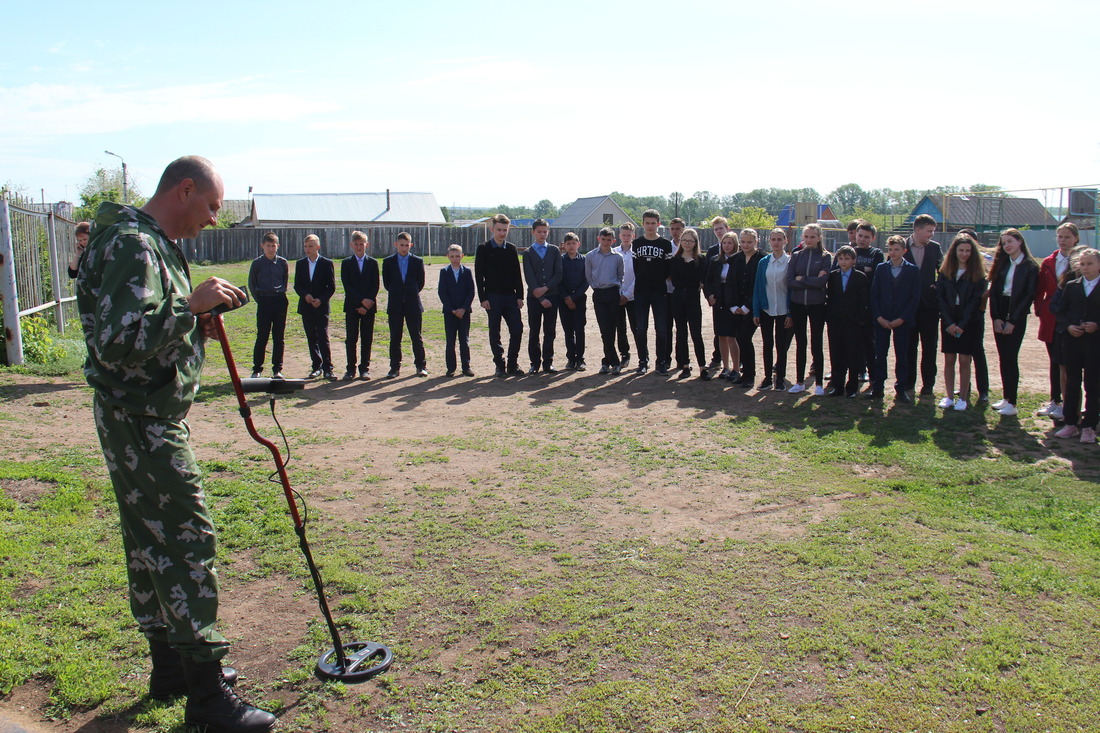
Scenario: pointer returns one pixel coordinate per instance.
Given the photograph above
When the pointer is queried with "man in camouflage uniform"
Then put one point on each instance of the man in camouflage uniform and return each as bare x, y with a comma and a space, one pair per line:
144, 328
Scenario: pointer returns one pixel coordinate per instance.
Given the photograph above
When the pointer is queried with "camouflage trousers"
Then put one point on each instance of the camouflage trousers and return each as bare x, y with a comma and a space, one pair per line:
166, 531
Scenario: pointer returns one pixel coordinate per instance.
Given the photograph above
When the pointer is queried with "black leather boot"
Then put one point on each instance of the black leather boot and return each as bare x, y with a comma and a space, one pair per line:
166, 680
213, 704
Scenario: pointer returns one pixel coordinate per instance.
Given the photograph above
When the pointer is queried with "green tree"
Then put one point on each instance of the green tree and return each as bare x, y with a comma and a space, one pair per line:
545, 209
988, 189
847, 198
881, 221
104, 185
772, 200
751, 216
226, 218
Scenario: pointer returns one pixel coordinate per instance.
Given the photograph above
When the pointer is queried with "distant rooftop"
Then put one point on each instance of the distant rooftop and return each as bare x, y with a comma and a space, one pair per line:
397, 207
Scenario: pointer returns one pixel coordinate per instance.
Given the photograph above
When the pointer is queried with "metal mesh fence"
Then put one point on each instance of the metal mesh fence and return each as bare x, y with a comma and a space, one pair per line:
35, 251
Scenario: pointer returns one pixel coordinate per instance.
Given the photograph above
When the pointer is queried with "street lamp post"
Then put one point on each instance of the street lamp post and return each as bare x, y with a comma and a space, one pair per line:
125, 193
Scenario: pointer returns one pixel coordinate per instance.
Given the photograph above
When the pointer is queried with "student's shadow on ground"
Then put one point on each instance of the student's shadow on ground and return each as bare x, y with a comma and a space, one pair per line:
1011, 438
11, 392
588, 392
409, 392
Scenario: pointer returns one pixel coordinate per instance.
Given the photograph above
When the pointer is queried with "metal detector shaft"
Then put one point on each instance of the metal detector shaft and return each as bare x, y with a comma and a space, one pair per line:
299, 526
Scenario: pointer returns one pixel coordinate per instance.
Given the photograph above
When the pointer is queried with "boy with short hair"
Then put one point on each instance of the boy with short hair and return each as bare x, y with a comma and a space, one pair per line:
542, 272
268, 277
500, 291
403, 278
720, 226
456, 293
604, 269
927, 255
359, 276
626, 315
868, 258
895, 293
572, 302
315, 284
848, 315
676, 227
652, 265
853, 225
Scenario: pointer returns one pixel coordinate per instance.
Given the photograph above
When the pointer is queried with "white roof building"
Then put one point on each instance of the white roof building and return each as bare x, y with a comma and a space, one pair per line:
343, 209
595, 211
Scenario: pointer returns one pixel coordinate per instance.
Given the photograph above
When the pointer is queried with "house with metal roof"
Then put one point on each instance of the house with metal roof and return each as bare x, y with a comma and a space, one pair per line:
236, 209
595, 211
983, 213
397, 208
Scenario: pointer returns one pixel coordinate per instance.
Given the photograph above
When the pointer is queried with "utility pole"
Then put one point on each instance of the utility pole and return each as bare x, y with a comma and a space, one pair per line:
125, 192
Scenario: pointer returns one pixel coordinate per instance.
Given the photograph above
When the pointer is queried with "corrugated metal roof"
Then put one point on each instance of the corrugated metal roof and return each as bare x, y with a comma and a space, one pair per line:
351, 208
997, 211
575, 214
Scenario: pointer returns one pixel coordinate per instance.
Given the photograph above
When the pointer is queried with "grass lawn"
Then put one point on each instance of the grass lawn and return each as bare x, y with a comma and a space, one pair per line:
584, 564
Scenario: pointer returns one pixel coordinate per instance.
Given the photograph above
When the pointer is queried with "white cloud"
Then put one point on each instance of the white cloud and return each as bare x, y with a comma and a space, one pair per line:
38, 111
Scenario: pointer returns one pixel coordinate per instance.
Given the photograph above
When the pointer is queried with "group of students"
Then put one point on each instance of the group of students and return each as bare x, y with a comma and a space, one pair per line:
914, 298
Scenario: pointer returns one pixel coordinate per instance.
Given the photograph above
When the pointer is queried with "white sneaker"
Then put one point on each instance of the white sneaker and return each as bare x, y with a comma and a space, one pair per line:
960, 404
946, 403
1055, 412
796, 388
1068, 431
998, 405
819, 391
1008, 410
1045, 410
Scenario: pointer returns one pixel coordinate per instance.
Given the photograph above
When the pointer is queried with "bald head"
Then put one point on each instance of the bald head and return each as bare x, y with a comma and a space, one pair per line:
187, 198
198, 169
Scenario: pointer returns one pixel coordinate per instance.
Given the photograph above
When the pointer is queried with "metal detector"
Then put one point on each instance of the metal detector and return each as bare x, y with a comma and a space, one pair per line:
355, 661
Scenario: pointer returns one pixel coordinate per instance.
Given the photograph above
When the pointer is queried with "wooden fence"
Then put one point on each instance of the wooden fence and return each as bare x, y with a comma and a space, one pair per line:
235, 245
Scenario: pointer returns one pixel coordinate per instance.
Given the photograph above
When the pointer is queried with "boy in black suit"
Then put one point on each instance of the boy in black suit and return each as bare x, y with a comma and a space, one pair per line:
848, 315
895, 293
927, 255
315, 284
268, 276
500, 291
359, 275
456, 293
403, 278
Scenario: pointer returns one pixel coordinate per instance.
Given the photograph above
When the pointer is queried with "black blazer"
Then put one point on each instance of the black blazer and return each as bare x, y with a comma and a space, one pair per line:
895, 297
724, 293
359, 286
1024, 284
929, 271
322, 286
687, 275
968, 293
403, 293
851, 306
1072, 308
745, 276
456, 294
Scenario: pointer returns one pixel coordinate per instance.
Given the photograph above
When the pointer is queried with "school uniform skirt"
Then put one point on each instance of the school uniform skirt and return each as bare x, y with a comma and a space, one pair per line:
968, 343
725, 324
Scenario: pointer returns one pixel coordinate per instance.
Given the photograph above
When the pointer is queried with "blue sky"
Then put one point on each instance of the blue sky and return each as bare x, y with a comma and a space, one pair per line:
485, 103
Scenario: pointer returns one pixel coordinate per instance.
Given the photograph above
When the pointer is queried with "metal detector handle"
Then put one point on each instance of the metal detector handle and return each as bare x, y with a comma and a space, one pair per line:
225, 307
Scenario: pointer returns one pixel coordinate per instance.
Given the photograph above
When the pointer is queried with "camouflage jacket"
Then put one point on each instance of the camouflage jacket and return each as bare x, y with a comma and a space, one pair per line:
144, 350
